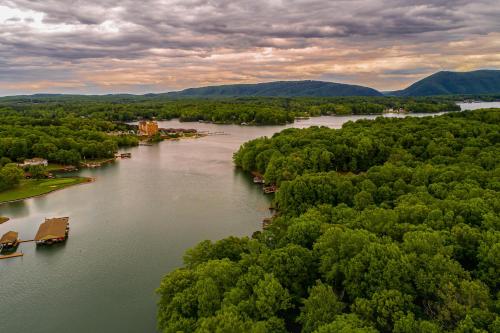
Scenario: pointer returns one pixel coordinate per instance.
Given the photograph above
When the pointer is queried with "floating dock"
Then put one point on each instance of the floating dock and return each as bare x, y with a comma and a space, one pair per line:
13, 255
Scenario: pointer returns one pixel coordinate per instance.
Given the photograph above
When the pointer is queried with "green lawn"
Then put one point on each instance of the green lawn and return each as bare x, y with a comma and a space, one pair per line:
33, 187
55, 167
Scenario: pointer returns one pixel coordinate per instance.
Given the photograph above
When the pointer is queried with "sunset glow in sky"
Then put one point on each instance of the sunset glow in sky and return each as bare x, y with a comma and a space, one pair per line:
111, 46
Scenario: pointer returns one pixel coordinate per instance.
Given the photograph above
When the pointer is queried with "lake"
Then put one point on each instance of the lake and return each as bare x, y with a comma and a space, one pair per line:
129, 228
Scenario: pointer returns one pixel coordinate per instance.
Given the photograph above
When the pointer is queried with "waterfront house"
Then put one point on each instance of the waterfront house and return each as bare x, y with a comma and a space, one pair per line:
53, 230
34, 161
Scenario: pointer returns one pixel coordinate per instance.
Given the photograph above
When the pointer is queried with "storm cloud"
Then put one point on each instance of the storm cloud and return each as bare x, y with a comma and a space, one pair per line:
130, 46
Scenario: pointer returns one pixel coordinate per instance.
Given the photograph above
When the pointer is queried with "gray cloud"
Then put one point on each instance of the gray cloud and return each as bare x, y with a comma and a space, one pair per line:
203, 34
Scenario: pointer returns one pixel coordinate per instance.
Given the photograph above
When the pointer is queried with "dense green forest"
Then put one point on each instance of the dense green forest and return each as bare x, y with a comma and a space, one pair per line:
250, 110
386, 225
57, 136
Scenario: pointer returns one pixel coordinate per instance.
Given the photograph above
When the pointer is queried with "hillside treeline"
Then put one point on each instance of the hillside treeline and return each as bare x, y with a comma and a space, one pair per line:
57, 136
250, 110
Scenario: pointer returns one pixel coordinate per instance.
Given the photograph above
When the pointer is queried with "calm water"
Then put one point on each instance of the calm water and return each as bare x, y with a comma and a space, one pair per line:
128, 229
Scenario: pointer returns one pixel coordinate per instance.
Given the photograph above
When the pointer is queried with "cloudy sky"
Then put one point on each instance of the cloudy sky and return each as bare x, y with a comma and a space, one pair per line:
110, 46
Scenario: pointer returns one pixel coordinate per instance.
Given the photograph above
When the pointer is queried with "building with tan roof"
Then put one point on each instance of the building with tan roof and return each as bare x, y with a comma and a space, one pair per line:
53, 230
9, 239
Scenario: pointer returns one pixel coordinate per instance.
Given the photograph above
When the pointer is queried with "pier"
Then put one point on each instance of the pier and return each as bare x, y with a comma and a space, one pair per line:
13, 255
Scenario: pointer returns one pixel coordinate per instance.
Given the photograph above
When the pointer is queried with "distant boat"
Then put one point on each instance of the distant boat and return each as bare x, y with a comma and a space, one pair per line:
258, 180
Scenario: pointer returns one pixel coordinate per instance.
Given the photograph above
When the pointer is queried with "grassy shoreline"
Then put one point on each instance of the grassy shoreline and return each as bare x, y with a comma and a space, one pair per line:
30, 188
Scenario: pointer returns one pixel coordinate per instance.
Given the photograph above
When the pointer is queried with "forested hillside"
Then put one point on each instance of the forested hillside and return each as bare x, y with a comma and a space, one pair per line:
454, 83
279, 89
390, 225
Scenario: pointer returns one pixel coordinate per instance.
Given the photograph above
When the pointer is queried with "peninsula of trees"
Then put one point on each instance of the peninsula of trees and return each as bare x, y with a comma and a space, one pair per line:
386, 225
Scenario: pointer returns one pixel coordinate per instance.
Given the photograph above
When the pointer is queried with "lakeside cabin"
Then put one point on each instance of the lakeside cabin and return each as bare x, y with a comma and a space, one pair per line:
34, 162
54, 230
9, 240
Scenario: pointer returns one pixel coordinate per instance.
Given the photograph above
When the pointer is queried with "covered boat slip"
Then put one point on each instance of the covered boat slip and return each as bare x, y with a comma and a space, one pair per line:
52, 231
9, 239
9, 243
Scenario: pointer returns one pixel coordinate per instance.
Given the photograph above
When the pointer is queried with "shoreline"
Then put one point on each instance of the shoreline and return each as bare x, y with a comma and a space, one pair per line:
87, 181
298, 118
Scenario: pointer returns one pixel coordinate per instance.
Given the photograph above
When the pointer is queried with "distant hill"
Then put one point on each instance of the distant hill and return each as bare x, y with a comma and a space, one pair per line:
454, 83
279, 89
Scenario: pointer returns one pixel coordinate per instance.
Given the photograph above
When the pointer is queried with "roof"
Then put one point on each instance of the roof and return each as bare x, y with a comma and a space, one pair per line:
9, 237
35, 159
52, 228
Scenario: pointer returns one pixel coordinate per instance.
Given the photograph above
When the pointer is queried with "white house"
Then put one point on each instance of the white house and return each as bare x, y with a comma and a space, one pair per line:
35, 161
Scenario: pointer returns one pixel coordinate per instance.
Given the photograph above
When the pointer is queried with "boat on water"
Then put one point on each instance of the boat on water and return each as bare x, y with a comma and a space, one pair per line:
258, 180
270, 189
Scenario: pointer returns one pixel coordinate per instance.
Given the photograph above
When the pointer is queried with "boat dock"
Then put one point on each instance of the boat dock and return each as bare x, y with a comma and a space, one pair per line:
266, 222
13, 255
270, 189
54, 230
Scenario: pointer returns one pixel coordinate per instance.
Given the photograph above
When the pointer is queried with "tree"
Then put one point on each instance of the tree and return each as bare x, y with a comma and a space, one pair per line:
270, 297
37, 171
362, 200
10, 176
384, 308
320, 307
346, 323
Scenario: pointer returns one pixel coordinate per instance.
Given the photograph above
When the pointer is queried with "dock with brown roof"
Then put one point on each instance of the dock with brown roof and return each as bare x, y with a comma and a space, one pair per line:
53, 230
9, 239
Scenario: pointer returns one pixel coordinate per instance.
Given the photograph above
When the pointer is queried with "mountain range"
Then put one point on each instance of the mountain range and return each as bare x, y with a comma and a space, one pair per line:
440, 83
279, 89
480, 82
455, 83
